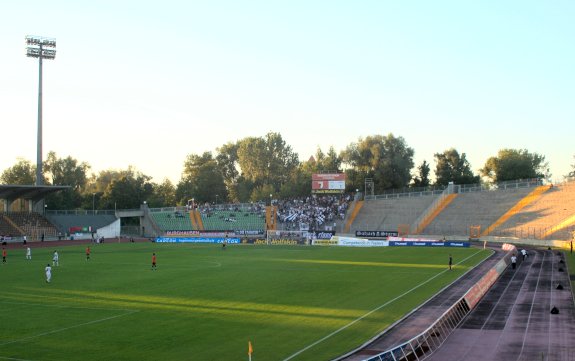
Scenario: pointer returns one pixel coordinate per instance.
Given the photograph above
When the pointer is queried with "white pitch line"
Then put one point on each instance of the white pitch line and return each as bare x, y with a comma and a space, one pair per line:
370, 312
68, 328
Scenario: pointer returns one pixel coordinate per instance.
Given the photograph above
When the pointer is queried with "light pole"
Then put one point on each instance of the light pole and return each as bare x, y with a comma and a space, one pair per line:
93, 203
217, 195
270, 199
41, 48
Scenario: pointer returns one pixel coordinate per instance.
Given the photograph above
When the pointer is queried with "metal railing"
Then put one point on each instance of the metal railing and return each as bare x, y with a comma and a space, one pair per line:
423, 345
463, 188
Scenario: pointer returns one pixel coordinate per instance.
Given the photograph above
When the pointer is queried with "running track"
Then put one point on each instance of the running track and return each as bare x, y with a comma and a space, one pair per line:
512, 322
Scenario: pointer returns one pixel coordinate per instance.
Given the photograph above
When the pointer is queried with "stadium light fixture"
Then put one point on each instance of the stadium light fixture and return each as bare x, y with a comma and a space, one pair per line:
41, 48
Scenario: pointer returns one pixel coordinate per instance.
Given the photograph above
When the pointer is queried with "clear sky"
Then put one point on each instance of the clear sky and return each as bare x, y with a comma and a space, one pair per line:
146, 83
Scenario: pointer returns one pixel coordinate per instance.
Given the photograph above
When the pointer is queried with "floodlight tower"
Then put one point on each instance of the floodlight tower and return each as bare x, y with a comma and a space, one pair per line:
41, 48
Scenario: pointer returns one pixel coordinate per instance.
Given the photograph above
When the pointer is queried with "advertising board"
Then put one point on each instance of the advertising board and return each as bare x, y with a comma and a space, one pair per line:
196, 240
376, 234
427, 244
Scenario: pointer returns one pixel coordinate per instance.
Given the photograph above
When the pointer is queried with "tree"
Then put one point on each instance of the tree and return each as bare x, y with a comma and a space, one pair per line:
129, 190
330, 162
452, 167
21, 173
512, 164
268, 160
202, 180
386, 159
66, 172
572, 173
422, 177
163, 195
227, 160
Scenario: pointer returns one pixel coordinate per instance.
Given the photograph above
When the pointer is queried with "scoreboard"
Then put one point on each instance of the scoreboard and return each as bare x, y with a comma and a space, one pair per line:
328, 183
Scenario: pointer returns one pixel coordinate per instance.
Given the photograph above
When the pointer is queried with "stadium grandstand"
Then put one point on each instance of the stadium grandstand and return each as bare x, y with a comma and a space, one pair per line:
523, 209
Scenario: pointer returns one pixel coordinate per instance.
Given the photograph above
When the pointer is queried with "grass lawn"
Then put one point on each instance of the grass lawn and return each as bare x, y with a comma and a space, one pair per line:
203, 303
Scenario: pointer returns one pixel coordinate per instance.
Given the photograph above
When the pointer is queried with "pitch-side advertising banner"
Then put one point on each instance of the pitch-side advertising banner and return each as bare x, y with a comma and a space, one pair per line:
377, 234
358, 242
195, 240
348, 242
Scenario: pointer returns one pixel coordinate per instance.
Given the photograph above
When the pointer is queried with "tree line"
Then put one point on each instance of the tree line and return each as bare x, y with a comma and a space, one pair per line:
253, 168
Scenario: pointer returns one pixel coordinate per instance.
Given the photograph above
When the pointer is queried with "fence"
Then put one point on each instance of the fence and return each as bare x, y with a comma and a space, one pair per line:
463, 188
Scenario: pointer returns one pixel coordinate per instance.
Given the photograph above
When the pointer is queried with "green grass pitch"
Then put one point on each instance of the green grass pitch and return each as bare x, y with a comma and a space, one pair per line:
205, 303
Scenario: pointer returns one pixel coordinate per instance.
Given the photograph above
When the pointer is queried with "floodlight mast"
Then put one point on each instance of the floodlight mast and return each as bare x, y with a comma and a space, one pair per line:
41, 48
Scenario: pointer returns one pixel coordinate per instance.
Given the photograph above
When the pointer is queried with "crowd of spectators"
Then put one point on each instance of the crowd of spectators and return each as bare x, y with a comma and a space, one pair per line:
315, 212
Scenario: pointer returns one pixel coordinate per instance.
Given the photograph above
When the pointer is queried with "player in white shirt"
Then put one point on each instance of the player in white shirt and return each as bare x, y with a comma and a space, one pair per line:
48, 270
55, 259
28, 253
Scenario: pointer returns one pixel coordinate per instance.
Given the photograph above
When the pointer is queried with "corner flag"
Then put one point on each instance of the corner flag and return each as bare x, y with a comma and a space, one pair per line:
250, 350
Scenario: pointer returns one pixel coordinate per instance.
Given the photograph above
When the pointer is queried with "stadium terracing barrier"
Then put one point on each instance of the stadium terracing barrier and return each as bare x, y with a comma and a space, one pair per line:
435, 208
354, 212
530, 198
426, 343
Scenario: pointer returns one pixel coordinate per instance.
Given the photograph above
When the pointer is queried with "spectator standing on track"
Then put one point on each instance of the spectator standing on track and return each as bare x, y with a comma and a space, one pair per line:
42, 238
88, 253
513, 261
524, 254
450, 262
153, 261
28, 253
4, 255
56, 259
24, 240
48, 271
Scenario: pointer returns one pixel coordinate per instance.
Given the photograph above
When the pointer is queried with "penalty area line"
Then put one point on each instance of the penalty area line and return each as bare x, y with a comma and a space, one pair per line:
69, 328
370, 312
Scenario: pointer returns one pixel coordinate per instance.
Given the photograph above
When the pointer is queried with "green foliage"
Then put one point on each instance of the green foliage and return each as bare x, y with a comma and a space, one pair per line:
202, 180
163, 195
268, 160
21, 173
205, 304
422, 177
130, 190
386, 159
69, 172
453, 167
512, 164
263, 193
571, 174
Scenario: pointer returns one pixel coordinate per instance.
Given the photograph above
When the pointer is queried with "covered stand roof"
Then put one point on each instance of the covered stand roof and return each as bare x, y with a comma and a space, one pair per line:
35, 193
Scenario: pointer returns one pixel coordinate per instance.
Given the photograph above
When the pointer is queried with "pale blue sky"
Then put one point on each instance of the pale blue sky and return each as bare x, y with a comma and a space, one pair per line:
146, 83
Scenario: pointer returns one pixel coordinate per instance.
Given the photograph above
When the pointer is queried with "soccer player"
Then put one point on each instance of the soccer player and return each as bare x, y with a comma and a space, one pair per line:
28, 253
450, 262
87, 253
4, 255
48, 270
153, 261
55, 259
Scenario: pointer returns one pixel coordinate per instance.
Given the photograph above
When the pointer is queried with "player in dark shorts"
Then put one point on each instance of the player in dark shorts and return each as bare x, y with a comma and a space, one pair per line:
153, 261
